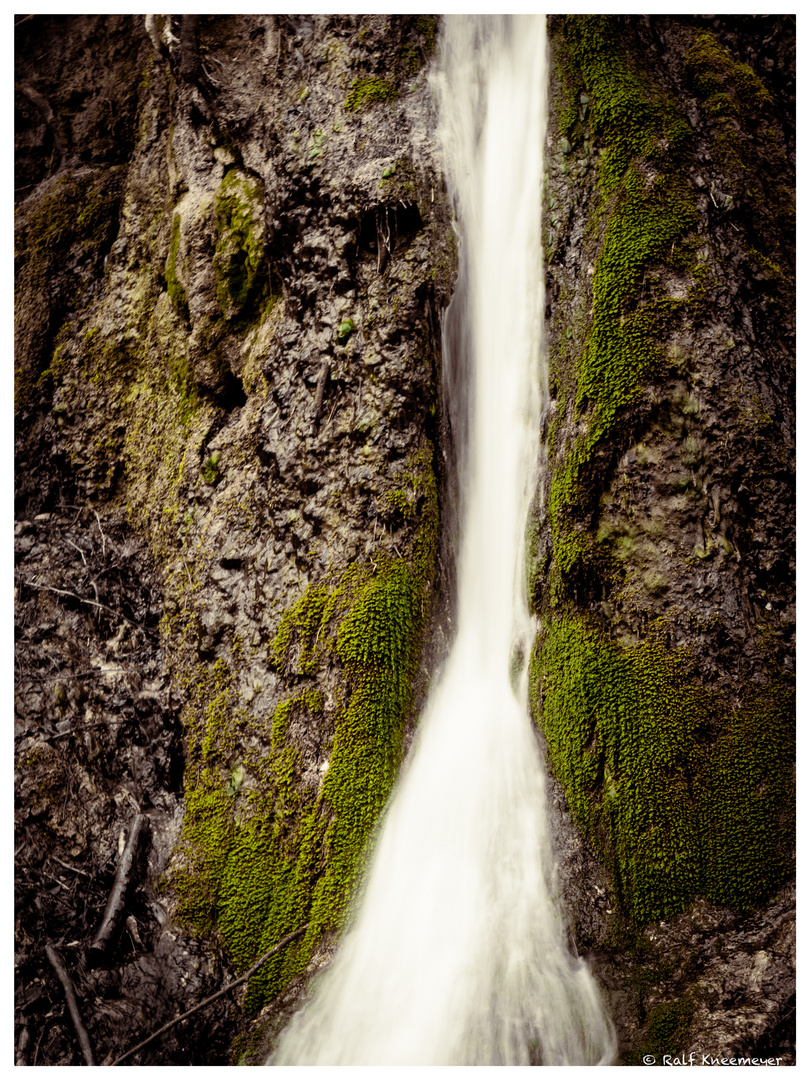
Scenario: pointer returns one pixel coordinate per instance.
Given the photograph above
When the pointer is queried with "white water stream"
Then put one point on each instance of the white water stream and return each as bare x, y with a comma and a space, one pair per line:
458, 955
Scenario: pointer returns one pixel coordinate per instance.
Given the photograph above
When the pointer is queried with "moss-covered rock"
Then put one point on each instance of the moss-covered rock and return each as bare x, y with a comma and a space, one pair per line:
662, 677
203, 374
682, 793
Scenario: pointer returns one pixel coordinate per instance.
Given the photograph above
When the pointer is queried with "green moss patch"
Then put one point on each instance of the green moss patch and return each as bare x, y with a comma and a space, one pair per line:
646, 209
748, 147
680, 792
174, 286
368, 90
59, 249
265, 849
262, 857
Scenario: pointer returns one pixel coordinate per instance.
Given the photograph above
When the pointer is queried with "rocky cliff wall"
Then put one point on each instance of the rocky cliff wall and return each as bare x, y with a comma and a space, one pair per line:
228, 337
233, 251
663, 572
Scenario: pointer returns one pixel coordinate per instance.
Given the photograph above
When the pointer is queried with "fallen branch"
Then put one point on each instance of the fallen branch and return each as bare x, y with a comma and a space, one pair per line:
70, 994
220, 993
115, 904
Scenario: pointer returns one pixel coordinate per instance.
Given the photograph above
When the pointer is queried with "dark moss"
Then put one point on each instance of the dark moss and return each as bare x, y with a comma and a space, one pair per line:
428, 27
59, 249
665, 1031
240, 249
368, 90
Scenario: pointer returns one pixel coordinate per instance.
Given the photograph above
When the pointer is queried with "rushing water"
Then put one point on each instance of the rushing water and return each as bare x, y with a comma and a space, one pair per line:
458, 954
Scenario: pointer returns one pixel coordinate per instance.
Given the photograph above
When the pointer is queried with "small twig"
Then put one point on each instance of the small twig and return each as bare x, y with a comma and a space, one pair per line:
73, 869
21, 21
115, 904
93, 603
39, 1040
220, 993
103, 537
78, 549
67, 985
323, 379
59, 883
332, 413
95, 671
72, 731
214, 82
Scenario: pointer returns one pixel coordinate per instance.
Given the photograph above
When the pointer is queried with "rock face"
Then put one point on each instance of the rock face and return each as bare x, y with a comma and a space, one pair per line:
229, 345
233, 251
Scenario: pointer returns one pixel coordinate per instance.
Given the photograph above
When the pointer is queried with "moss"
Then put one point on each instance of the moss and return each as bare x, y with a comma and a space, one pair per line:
722, 84
298, 627
666, 1030
240, 241
317, 145
210, 468
265, 856
80, 209
368, 90
646, 209
174, 286
681, 792
633, 116
59, 249
428, 27
748, 150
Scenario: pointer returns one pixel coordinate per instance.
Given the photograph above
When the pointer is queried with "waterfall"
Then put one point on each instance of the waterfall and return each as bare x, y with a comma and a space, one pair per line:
458, 955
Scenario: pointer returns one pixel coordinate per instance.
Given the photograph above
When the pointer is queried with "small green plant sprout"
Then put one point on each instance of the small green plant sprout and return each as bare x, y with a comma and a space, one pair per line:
302, 97
317, 144
210, 469
389, 171
237, 778
345, 331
